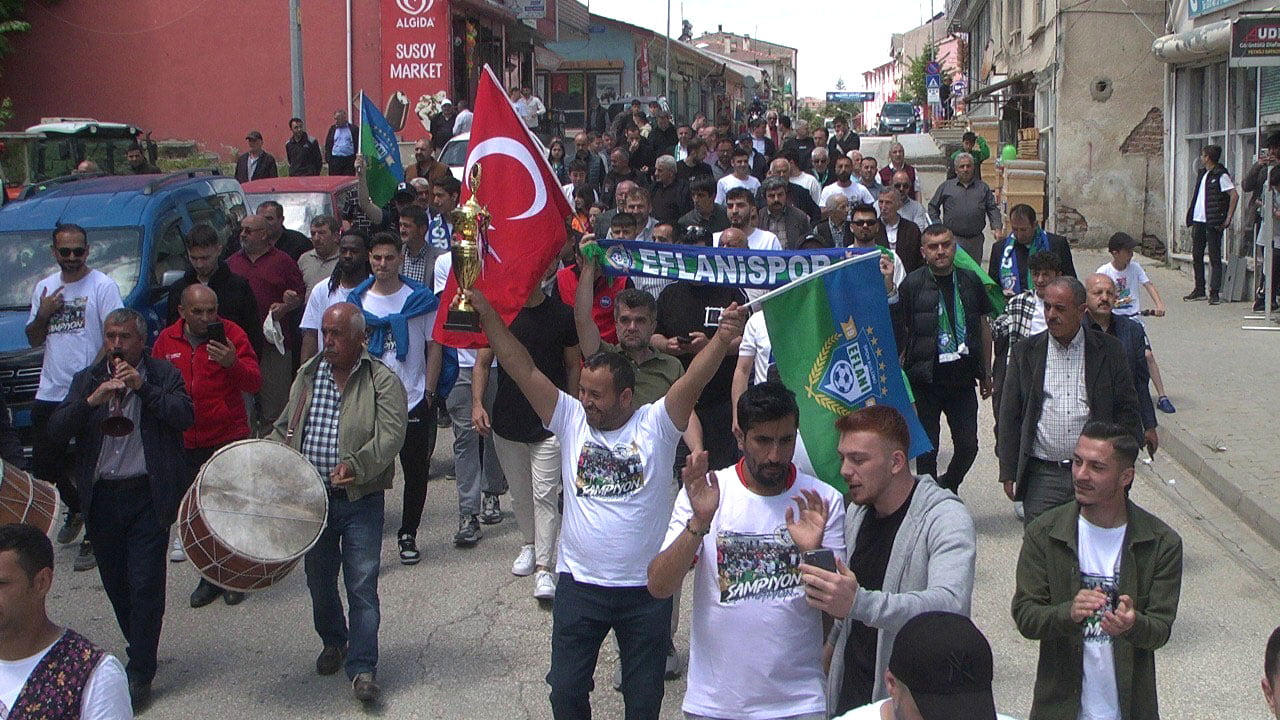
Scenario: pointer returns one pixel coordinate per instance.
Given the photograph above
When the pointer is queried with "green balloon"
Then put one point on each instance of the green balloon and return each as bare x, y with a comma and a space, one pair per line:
1008, 152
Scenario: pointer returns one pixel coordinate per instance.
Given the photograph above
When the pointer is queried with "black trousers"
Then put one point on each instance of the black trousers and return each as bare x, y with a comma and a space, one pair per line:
582, 616
1206, 237
415, 460
342, 165
50, 460
129, 542
960, 404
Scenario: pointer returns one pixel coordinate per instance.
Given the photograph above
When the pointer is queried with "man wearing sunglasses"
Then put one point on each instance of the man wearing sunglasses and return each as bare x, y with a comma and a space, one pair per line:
911, 208
67, 312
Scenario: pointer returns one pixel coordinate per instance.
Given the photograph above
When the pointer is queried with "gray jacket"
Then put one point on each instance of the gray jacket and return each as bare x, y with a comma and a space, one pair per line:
930, 568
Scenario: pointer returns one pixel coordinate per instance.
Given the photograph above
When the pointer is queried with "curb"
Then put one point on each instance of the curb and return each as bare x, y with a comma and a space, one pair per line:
1215, 474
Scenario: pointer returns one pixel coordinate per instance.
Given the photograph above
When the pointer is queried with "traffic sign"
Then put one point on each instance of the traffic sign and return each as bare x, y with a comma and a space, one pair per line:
932, 68
932, 82
935, 96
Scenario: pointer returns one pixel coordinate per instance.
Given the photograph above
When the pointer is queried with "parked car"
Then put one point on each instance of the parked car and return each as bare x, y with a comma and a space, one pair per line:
136, 226
303, 198
897, 117
454, 154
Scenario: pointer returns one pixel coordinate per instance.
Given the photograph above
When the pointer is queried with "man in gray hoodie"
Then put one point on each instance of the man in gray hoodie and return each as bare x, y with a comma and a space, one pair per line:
911, 550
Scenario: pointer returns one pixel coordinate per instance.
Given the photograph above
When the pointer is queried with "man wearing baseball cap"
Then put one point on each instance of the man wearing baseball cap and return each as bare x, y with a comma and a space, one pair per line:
940, 669
257, 163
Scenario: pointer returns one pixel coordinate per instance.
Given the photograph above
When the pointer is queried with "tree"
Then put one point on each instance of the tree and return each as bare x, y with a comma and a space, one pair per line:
10, 22
913, 89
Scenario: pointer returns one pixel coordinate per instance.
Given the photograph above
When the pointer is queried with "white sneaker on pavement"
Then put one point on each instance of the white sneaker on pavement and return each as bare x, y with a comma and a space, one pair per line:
544, 587
525, 562
176, 553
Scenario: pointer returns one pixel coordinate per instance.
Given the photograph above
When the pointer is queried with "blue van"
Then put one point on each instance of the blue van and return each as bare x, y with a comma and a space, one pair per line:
136, 226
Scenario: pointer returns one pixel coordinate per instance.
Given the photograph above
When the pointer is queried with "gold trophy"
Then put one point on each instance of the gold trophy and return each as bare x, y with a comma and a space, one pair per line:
470, 229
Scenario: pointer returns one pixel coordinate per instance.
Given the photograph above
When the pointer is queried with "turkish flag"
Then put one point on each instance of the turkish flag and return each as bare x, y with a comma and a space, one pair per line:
524, 200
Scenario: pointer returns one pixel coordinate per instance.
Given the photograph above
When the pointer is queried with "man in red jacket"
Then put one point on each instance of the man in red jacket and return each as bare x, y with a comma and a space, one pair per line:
217, 367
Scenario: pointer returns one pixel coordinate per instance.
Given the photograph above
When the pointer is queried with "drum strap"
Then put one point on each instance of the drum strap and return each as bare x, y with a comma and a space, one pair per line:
293, 422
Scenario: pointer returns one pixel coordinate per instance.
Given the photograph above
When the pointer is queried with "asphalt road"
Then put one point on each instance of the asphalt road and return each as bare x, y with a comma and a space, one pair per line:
462, 638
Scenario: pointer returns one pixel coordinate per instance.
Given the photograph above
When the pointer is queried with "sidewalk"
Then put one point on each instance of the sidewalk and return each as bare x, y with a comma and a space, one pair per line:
1225, 384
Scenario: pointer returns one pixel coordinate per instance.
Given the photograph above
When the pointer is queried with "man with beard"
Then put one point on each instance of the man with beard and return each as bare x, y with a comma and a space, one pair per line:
289, 241
302, 151
425, 165
870, 176
693, 165
669, 197
617, 500
620, 171
965, 205
846, 184
912, 549
741, 208
723, 163
844, 139
863, 228
594, 165
705, 213
763, 512
782, 219
138, 164
351, 270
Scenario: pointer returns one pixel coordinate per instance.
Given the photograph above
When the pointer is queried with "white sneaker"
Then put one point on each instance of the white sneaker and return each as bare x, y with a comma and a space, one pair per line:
525, 562
544, 587
176, 553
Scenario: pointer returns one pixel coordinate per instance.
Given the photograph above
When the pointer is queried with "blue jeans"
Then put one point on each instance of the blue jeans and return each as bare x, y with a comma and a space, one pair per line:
581, 617
352, 542
130, 543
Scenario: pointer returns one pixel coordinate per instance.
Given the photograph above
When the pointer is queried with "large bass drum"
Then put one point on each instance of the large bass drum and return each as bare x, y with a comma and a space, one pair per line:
255, 509
27, 500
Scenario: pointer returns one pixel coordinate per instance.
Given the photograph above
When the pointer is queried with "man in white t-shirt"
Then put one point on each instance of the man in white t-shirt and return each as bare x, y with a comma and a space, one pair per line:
352, 269
1212, 208
741, 208
67, 311
386, 298
846, 185
740, 177
46, 671
475, 462
1098, 583
617, 505
921, 678
744, 529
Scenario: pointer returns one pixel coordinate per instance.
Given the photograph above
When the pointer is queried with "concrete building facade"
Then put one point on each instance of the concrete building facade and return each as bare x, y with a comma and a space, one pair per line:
779, 63
1083, 76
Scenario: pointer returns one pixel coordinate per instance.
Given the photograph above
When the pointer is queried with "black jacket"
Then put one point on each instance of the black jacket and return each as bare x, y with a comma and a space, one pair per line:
662, 140
797, 197
842, 145
1216, 200
266, 168
915, 322
235, 301
1058, 245
908, 247
804, 151
293, 243
328, 140
794, 220
1108, 382
166, 412
823, 230
1133, 337
304, 157
595, 167
669, 202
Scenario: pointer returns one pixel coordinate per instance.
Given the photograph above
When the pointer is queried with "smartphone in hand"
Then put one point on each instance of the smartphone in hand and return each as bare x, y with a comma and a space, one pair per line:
821, 558
217, 331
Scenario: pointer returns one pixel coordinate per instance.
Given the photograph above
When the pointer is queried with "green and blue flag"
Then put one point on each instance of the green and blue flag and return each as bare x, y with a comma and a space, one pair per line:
833, 343
381, 152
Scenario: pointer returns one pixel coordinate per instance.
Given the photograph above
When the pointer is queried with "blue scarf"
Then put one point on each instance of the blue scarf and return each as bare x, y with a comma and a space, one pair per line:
1011, 276
420, 302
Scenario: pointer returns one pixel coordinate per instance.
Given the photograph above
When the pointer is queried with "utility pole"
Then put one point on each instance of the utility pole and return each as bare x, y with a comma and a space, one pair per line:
295, 55
668, 71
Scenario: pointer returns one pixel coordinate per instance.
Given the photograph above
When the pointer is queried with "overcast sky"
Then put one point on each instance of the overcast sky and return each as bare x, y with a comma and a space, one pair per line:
834, 38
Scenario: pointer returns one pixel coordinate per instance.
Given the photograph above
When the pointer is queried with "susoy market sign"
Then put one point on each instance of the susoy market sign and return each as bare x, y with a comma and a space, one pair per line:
415, 61
1255, 40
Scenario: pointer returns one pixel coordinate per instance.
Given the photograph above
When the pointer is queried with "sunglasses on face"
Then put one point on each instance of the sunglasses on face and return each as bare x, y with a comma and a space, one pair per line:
902, 186
863, 223
77, 251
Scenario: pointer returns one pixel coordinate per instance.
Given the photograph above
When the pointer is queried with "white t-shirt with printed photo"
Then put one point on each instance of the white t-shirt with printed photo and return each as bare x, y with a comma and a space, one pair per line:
618, 491
75, 331
106, 692
755, 650
1099, 550
412, 370
1129, 282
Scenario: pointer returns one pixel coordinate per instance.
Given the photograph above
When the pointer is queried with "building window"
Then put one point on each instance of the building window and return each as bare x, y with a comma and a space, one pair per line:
577, 93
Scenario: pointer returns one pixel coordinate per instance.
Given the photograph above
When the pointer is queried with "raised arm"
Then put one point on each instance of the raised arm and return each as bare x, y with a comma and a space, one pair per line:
541, 393
682, 396
583, 300
372, 211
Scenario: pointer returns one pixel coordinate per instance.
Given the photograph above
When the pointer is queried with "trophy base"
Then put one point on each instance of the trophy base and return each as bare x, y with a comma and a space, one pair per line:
464, 320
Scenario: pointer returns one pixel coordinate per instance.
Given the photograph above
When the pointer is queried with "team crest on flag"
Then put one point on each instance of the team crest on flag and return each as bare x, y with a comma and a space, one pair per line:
849, 371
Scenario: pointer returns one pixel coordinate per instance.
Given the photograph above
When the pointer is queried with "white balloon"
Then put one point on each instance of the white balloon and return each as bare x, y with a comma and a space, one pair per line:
521, 154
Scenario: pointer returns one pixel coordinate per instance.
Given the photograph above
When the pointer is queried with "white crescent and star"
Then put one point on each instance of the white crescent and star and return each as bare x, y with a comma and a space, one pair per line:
519, 153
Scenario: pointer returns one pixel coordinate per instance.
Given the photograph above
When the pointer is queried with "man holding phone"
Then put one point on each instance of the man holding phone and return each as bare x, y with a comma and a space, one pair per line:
218, 364
746, 529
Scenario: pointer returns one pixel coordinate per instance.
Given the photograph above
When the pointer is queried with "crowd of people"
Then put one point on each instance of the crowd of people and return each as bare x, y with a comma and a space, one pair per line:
641, 430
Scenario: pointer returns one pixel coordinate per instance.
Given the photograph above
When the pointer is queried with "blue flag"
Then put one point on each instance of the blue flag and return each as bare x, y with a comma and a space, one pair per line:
834, 347
381, 152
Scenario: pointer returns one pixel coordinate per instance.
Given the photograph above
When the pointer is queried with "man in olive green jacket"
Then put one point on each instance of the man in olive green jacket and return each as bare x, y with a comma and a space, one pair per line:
1098, 586
347, 414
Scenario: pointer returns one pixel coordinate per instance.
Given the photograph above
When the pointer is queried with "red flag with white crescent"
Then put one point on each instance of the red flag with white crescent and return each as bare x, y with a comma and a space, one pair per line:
524, 200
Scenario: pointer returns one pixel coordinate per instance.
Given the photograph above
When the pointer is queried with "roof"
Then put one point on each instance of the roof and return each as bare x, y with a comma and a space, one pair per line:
71, 126
111, 201
319, 183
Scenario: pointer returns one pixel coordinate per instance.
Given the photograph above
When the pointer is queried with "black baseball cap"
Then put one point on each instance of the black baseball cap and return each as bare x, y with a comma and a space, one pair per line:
1121, 241
945, 661
405, 190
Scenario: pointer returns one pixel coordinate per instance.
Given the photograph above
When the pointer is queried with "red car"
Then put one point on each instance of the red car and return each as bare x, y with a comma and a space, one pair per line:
303, 198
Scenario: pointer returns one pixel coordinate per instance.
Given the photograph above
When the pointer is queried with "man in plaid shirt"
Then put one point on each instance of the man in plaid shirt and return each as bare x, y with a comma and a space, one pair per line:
1023, 317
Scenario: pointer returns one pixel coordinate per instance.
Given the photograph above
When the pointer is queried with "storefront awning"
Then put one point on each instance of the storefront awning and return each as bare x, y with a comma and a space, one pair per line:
544, 59
1013, 80
1207, 41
